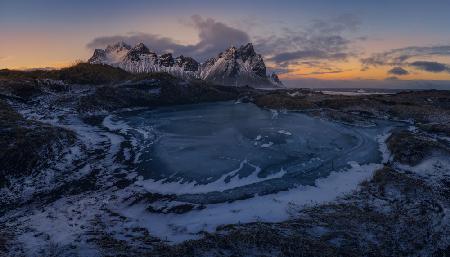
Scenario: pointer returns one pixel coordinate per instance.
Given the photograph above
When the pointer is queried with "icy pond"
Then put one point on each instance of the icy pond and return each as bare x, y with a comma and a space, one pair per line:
243, 163
244, 150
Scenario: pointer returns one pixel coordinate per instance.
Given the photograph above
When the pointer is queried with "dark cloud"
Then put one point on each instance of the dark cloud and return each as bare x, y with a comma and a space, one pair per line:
375, 84
214, 37
280, 70
317, 46
391, 78
339, 24
402, 56
301, 47
399, 71
311, 64
430, 66
308, 54
321, 72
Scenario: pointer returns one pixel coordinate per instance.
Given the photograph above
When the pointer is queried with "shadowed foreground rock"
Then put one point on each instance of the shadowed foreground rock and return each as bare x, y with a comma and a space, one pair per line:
27, 146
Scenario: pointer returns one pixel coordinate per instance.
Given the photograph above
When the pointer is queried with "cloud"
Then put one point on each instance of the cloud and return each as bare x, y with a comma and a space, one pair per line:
4, 58
401, 56
338, 24
280, 70
375, 84
399, 71
321, 72
307, 54
430, 66
320, 35
317, 45
155, 42
391, 78
214, 37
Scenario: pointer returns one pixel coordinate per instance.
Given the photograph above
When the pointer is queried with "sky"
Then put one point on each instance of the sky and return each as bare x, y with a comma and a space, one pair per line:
383, 40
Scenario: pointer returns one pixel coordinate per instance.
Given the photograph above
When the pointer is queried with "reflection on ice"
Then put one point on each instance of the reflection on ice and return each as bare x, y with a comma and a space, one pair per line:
243, 150
237, 163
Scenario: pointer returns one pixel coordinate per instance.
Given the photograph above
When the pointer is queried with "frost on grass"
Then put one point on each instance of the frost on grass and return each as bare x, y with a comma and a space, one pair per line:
102, 197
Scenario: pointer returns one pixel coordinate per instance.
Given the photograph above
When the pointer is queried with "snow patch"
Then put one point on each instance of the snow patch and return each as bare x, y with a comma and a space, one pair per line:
268, 208
267, 145
287, 133
227, 181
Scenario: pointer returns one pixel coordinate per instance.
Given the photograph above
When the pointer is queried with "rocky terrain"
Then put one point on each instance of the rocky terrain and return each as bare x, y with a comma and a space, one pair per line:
65, 171
234, 67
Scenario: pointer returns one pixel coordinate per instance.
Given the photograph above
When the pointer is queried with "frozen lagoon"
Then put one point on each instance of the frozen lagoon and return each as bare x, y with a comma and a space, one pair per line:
217, 152
228, 163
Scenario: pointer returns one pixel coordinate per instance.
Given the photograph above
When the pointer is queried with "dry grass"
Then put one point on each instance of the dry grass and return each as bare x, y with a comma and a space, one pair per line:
79, 73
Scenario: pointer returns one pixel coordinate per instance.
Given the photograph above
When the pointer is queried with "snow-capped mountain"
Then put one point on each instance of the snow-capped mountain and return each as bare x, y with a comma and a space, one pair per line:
234, 67
112, 54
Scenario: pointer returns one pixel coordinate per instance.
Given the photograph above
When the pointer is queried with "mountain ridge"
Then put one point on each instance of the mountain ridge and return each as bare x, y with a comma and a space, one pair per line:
233, 67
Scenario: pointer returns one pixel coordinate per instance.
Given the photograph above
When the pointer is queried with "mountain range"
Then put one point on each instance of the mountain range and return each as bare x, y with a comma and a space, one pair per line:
234, 67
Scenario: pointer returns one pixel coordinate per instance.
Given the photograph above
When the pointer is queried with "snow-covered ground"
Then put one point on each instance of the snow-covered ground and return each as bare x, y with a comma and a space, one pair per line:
179, 171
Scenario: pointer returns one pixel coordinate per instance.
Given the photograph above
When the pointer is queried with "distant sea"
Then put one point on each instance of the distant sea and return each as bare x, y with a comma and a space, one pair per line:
359, 91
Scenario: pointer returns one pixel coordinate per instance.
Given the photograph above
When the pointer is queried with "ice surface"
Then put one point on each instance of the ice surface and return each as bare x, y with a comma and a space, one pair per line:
242, 150
246, 164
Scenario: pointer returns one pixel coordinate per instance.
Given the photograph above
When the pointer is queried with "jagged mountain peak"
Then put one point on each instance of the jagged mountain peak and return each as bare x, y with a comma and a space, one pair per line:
112, 53
237, 66
187, 63
247, 50
135, 53
231, 49
166, 60
119, 46
248, 46
141, 48
98, 57
244, 52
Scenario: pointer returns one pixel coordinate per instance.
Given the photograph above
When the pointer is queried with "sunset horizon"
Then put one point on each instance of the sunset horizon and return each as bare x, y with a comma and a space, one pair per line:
351, 41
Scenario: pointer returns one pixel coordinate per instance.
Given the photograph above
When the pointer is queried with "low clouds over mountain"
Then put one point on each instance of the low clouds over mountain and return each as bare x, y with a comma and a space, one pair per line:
214, 37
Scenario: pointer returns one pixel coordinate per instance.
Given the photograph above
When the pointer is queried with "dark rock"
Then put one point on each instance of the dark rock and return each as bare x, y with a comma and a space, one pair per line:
274, 78
187, 63
22, 89
180, 209
99, 56
135, 53
28, 146
117, 47
166, 60
246, 52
